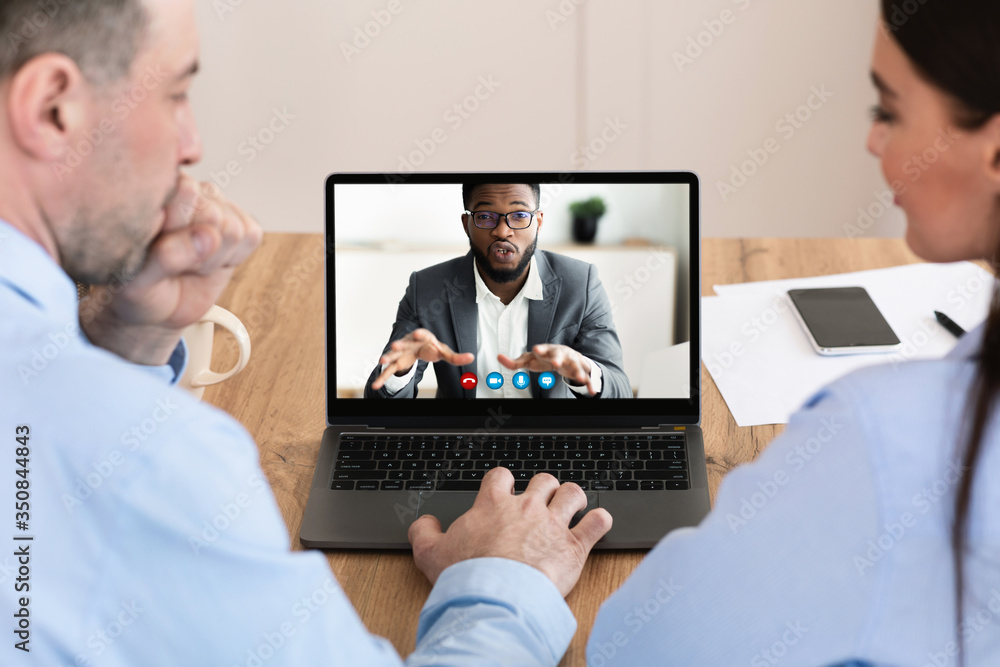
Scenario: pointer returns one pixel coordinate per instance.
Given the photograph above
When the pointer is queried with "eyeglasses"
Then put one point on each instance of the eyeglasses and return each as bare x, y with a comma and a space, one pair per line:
515, 220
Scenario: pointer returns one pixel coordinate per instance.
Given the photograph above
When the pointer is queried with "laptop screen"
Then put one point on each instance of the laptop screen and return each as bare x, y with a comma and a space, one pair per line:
531, 294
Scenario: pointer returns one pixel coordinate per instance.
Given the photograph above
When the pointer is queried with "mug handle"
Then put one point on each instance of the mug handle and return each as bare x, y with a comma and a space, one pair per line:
225, 319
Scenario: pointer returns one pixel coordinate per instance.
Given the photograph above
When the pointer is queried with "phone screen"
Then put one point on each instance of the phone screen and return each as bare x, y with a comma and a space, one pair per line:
842, 317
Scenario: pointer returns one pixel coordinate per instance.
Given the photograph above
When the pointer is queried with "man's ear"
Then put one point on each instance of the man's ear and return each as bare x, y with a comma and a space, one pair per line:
47, 106
538, 218
466, 220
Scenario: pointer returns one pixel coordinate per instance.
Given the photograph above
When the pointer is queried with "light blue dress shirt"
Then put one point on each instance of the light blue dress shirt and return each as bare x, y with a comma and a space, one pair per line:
834, 545
157, 540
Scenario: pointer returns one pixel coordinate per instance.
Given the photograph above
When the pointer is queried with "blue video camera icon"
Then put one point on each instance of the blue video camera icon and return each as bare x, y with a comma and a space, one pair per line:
494, 380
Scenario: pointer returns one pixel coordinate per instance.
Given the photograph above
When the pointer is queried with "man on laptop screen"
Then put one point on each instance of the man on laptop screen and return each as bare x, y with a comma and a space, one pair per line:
504, 321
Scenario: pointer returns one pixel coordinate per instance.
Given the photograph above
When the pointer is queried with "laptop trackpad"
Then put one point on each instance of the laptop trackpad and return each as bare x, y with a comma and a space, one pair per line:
449, 505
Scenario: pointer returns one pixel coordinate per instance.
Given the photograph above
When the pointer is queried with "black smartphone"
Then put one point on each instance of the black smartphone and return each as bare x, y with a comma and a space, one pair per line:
843, 320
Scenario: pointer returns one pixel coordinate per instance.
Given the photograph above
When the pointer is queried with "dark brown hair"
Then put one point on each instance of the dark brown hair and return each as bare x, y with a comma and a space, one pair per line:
101, 36
952, 44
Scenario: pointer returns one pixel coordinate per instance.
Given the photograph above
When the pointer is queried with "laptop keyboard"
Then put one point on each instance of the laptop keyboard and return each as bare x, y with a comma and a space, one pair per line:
449, 462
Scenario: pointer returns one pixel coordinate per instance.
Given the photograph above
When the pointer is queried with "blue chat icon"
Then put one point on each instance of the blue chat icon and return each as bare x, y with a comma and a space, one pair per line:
494, 380
546, 380
521, 380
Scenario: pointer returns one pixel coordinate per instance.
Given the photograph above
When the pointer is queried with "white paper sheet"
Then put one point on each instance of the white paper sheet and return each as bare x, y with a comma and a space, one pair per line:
762, 362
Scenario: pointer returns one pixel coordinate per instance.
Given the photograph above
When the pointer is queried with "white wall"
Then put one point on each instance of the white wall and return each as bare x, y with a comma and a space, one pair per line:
560, 74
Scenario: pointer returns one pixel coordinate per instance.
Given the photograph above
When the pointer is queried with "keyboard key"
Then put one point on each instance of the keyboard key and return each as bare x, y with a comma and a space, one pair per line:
355, 465
457, 486
420, 486
650, 486
601, 485
392, 485
676, 486
342, 486
584, 465
627, 486
354, 456
570, 475
667, 445
660, 474
341, 475
473, 474
367, 486
666, 465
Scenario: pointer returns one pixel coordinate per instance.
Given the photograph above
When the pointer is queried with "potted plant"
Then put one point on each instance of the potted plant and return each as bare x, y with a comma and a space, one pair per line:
586, 215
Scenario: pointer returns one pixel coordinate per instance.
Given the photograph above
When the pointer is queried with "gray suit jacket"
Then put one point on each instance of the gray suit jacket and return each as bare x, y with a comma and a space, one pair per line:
575, 312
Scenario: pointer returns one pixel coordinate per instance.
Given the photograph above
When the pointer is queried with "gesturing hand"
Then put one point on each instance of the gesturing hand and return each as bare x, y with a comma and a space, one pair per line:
420, 344
531, 528
205, 236
561, 359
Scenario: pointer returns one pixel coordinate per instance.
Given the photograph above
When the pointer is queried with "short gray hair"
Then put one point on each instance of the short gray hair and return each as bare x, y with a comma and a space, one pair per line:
103, 37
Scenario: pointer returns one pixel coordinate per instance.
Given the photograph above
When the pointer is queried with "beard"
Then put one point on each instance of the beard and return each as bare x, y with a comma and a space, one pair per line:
503, 276
112, 246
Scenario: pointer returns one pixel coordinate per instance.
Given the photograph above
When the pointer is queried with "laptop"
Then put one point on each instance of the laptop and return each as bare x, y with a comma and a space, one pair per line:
621, 290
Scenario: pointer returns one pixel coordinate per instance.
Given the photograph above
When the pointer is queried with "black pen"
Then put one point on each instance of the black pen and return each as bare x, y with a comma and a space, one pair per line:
949, 324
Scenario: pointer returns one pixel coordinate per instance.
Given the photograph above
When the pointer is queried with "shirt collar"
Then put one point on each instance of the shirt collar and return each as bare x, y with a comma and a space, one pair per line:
532, 288
30, 271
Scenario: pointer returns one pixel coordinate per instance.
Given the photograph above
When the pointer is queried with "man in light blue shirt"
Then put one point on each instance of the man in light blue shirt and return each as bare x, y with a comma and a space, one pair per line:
147, 533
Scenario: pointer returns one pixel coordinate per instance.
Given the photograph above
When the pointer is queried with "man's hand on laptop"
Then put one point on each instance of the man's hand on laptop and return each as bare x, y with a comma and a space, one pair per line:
560, 359
418, 345
204, 238
531, 528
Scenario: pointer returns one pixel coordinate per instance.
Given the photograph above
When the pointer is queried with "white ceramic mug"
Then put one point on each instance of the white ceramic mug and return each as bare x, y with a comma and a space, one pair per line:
199, 338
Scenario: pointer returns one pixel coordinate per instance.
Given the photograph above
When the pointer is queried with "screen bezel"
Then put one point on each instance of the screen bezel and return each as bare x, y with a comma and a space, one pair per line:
517, 413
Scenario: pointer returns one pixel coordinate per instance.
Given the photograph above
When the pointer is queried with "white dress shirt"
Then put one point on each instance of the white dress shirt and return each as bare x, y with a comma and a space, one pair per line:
501, 330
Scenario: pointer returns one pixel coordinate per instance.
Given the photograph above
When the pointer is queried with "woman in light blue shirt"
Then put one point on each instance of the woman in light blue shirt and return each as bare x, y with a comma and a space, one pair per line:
870, 530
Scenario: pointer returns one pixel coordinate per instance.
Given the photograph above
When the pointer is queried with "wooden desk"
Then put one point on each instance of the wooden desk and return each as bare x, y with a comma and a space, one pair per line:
280, 399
